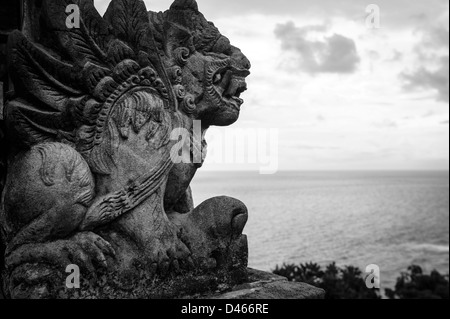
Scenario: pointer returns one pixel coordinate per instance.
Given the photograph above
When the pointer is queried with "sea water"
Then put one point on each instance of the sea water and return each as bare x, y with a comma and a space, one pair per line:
391, 219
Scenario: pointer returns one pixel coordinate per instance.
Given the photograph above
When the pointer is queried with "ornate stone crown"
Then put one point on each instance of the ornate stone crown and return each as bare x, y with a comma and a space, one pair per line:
74, 80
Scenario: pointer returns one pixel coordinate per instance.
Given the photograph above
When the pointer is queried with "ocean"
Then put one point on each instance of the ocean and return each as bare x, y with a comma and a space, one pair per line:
390, 219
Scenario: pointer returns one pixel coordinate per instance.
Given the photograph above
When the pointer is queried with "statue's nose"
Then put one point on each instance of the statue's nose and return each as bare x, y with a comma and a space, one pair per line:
248, 64
245, 62
241, 60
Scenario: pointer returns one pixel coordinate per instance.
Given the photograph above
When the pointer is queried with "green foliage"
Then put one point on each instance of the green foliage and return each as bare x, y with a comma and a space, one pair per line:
338, 283
414, 284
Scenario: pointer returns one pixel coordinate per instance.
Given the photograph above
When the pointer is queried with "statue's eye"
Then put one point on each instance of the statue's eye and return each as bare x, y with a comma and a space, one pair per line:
223, 46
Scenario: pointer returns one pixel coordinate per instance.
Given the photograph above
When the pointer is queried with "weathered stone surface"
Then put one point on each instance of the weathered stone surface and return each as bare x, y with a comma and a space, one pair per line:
10, 15
262, 285
97, 174
1, 110
277, 290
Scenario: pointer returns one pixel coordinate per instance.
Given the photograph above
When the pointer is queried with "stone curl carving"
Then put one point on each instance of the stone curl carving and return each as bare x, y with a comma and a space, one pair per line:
91, 179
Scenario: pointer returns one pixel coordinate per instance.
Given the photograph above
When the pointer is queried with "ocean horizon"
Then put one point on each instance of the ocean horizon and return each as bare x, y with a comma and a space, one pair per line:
389, 218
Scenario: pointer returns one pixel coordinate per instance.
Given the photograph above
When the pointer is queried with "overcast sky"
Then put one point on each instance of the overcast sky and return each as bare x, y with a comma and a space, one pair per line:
343, 96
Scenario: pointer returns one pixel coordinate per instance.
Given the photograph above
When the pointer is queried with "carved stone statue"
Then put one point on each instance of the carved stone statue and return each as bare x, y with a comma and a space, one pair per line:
92, 176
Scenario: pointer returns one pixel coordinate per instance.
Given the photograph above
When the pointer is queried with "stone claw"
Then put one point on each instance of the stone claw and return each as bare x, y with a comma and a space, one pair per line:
83, 250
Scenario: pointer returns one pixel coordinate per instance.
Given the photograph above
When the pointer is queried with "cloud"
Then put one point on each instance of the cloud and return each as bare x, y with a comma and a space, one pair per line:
316, 148
445, 122
428, 114
433, 58
437, 37
396, 13
373, 55
321, 118
334, 54
396, 56
424, 78
385, 124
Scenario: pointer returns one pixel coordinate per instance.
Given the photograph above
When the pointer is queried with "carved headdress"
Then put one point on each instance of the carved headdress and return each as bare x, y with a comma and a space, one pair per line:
67, 84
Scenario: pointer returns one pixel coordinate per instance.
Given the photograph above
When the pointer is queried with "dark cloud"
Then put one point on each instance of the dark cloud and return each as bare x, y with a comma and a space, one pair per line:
334, 54
436, 37
432, 54
424, 78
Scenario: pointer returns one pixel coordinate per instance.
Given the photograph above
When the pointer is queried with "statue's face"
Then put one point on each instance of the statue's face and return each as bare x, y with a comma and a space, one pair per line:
214, 71
217, 80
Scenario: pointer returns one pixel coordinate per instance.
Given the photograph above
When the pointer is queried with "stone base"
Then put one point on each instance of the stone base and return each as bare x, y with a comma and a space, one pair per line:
263, 285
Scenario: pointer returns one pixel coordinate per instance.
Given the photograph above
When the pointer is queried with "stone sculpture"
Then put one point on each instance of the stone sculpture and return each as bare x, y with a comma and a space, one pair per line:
89, 142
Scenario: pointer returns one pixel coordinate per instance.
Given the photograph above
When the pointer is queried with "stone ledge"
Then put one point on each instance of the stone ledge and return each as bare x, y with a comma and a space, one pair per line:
265, 285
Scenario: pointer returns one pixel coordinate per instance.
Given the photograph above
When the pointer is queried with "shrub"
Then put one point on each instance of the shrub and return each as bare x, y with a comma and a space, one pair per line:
338, 283
414, 284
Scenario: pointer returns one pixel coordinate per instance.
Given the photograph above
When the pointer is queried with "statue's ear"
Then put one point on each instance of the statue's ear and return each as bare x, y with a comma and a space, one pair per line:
184, 5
